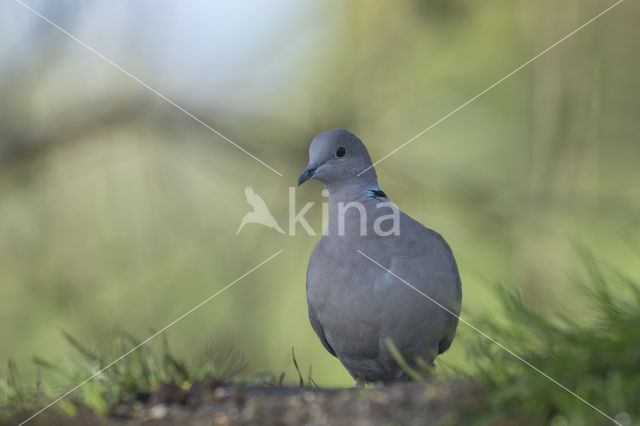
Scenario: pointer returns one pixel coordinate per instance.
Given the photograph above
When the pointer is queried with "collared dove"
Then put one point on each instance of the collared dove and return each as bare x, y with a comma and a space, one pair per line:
355, 305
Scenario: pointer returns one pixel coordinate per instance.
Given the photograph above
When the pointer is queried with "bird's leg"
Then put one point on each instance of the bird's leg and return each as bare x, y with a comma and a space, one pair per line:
360, 383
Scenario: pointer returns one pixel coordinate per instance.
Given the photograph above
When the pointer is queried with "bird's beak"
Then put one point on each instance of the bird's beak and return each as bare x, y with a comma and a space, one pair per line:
308, 173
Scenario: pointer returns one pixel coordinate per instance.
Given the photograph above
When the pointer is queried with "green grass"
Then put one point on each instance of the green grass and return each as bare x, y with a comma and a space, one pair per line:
596, 354
135, 376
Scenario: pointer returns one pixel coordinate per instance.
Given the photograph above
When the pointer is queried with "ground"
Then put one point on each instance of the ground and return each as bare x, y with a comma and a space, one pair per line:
213, 403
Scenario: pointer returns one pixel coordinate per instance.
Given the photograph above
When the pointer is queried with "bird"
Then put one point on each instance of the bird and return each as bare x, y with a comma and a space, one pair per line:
357, 294
260, 213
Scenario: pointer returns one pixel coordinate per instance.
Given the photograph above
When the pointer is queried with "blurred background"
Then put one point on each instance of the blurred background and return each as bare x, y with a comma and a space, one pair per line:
118, 211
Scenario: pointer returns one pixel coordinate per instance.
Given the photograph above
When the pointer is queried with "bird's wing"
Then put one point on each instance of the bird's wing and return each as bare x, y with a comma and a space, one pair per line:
421, 257
317, 327
254, 200
416, 324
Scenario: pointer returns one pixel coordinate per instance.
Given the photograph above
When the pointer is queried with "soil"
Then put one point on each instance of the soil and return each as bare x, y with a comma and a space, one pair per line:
213, 403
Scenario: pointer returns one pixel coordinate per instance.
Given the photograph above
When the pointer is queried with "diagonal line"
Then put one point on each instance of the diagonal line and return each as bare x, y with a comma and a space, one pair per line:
518, 357
590, 21
133, 77
148, 339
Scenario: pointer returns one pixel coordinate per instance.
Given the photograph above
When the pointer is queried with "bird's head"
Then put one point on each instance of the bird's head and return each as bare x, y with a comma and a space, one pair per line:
338, 156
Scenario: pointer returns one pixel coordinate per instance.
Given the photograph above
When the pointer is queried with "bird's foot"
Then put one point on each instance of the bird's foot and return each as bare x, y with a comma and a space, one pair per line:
360, 383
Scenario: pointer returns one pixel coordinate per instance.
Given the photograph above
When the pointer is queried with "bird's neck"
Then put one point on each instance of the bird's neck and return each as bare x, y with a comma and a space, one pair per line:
346, 201
349, 191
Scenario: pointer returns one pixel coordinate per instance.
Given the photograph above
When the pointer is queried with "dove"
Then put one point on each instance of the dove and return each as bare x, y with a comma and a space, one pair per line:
260, 213
357, 293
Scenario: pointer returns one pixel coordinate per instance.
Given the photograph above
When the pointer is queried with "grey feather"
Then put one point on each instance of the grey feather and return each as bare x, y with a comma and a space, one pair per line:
354, 304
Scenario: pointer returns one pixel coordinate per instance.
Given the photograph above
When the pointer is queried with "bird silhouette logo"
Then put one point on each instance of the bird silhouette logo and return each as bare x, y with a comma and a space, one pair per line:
260, 213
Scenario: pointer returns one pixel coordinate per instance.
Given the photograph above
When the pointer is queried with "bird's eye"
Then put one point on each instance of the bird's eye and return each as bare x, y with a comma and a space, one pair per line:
340, 152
